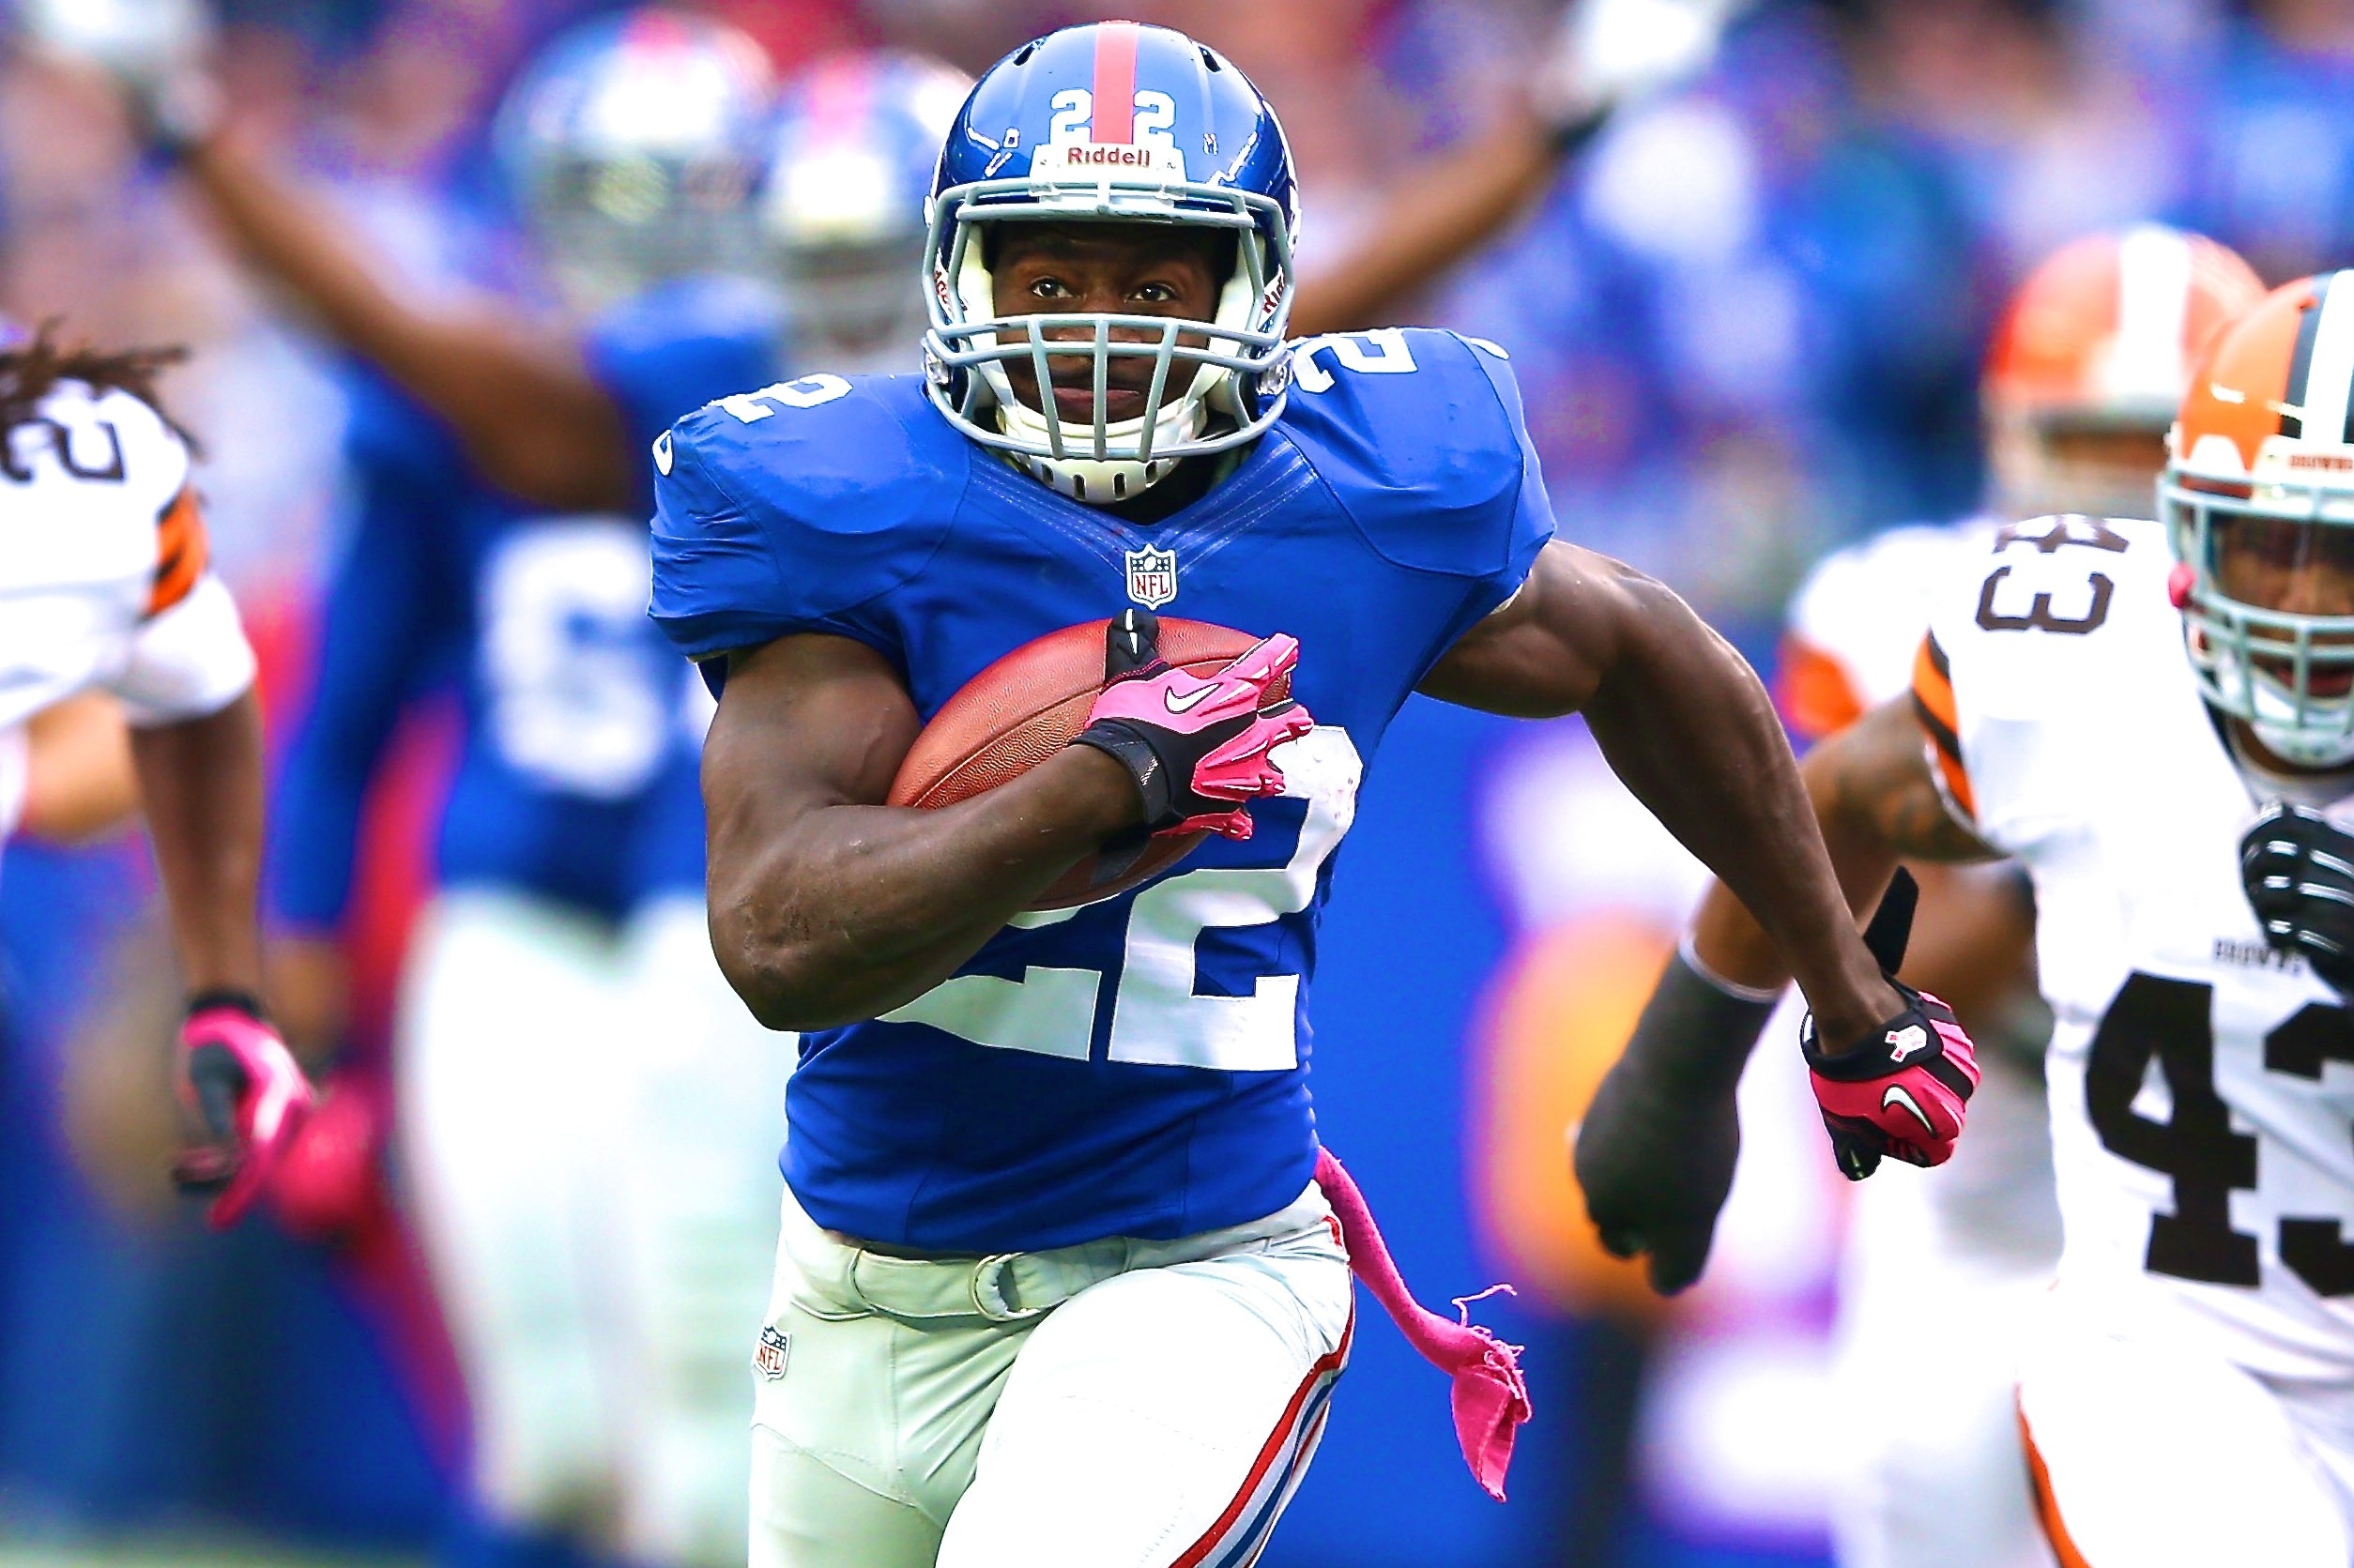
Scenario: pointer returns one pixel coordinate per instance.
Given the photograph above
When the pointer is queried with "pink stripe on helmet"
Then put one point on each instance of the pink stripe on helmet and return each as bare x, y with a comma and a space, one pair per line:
1115, 82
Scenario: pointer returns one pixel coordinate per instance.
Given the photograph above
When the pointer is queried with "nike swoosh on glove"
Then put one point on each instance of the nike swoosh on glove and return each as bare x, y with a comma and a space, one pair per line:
243, 1085
1197, 748
1903, 1092
2298, 868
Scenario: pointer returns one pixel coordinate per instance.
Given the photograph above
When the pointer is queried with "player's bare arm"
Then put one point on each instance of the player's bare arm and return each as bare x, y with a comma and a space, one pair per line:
1687, 725
1439, 214
201, 781
522, 401
78, 782
1876, 803
829, 906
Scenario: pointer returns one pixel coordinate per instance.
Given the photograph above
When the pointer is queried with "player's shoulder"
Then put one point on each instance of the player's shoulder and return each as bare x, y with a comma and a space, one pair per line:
1419, 435
681, 344
2056, 619
690, 309
831, 453
1856, 619
106, 440
1905, 563
792, 502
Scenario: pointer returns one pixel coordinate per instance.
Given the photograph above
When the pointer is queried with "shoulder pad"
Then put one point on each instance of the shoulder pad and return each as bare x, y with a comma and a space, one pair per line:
678, 346
1419, 433
2048, 652
2037, 622
1863, 608
137, 450
779, 510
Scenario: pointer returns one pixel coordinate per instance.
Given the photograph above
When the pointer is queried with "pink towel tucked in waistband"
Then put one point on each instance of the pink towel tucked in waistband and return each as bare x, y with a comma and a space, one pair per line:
1491, 1397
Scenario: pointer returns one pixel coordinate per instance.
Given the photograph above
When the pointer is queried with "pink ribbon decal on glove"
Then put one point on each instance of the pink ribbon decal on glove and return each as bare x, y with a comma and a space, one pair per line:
1491, 1397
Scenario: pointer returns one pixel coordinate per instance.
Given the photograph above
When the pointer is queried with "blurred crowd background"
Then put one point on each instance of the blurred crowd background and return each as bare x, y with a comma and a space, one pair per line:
1748, 321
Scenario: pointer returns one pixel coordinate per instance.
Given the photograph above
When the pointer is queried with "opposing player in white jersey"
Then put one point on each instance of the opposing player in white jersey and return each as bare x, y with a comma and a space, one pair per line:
104, 587
2090, 359
2158, 723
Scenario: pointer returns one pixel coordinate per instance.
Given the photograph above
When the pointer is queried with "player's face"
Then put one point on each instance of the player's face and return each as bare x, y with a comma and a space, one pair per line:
2100, 468
2133, 455
2305, 568
1141, 269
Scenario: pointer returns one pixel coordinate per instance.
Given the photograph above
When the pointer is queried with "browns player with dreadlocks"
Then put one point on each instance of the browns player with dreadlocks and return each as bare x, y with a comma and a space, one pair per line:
104, 574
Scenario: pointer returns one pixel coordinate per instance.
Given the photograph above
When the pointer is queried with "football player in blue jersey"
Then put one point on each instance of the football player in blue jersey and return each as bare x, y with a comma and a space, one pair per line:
1065, 1274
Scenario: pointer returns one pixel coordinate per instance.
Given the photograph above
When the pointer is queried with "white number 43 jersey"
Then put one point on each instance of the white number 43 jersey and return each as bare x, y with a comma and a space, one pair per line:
2202, 1086
102, 566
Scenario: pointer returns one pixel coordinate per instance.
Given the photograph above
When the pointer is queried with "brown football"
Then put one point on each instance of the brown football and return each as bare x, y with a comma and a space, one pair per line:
1026, 706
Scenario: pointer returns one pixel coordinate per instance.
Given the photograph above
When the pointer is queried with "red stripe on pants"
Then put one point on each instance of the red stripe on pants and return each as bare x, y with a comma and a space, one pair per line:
1216, 1536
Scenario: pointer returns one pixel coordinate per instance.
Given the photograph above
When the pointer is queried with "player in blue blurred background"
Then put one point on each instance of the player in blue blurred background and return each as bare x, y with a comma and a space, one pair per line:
580, 1100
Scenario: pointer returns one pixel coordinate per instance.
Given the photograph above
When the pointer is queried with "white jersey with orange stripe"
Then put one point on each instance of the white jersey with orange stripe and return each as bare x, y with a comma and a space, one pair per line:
1855, 622
103, 576
2201, 1085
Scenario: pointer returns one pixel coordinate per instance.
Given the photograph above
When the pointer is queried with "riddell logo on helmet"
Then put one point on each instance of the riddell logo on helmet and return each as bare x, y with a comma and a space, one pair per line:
1107, 158
2336, 463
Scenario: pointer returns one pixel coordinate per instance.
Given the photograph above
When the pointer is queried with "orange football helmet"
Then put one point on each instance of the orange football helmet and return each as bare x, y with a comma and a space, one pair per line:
2089, 360
2259, 496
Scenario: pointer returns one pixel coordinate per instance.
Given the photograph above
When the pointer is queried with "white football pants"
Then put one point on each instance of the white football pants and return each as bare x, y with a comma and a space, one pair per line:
2153, 1450
1943, 1268
1123, 1404
590, 1124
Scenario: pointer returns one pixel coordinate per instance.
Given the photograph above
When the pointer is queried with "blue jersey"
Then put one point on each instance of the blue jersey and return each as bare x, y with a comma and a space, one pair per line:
1138, 1066
576, 778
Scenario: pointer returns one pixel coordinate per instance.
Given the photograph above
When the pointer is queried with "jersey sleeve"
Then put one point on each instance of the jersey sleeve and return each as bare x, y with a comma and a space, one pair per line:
1856, 621
188, 661
2045, 647
1420, 434
795, 509
374, 619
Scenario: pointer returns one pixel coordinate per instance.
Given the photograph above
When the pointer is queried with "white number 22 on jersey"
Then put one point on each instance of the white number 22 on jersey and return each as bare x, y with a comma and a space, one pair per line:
1156, 1015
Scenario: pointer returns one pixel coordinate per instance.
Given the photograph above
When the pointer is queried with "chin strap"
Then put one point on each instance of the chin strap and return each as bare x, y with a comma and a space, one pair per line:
1491, 1397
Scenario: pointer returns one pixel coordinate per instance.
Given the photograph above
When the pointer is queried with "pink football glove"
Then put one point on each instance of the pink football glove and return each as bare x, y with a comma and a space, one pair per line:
237, 1076
1196, 748
328, 1182
1903, 1092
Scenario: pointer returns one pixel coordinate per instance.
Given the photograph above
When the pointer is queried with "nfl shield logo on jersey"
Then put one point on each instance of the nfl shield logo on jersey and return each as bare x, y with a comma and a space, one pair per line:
1151, 577
768, 1360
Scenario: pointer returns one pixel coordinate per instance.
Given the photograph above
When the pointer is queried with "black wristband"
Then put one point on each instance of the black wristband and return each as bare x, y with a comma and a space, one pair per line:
227, 996
1694, 1035
1122, 744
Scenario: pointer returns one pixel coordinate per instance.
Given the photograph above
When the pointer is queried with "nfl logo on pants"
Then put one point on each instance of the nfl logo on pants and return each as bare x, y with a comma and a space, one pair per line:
1151, 577
768, 1360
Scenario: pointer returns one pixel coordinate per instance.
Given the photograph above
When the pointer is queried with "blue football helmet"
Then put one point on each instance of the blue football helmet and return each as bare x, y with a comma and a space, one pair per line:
633, 142
1113, 122
857, 138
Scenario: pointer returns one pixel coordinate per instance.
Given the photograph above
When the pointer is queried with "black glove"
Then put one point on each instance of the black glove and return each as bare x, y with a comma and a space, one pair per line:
1656, 1151
2299, 871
